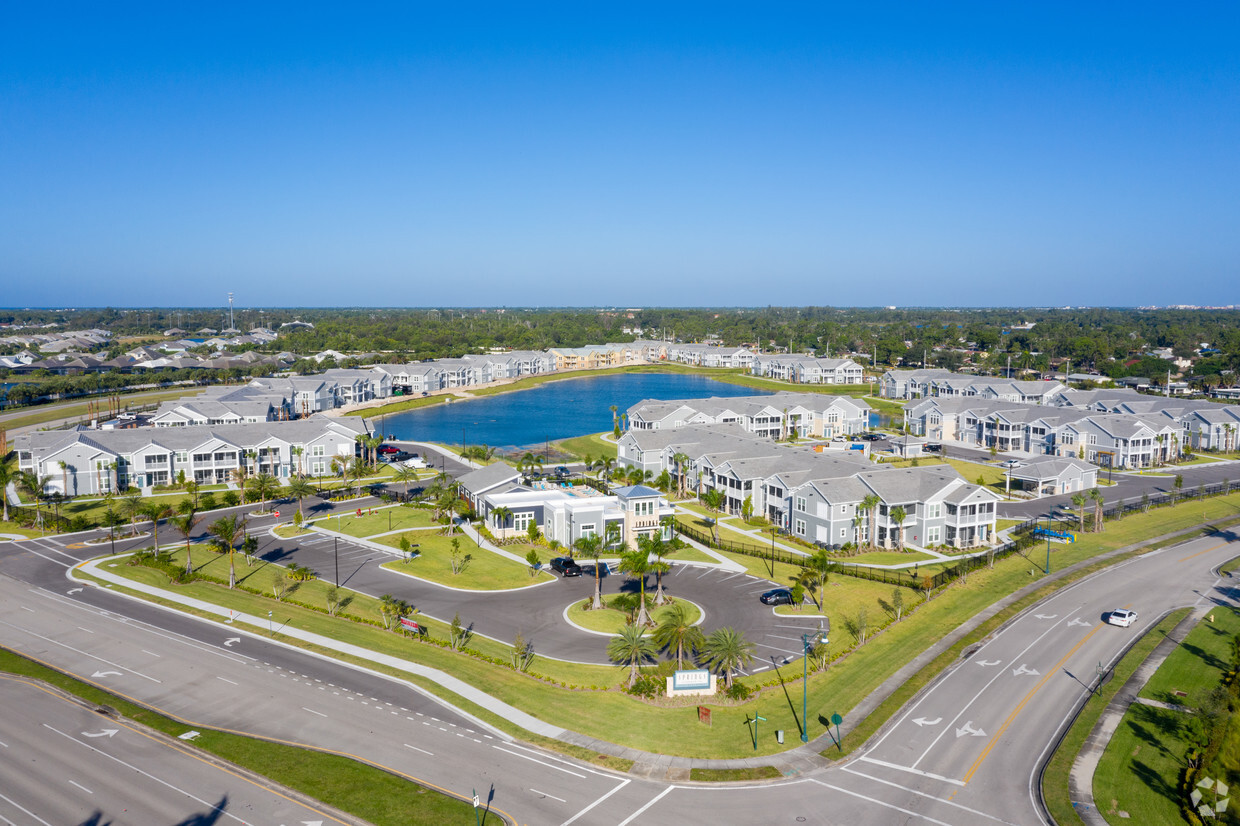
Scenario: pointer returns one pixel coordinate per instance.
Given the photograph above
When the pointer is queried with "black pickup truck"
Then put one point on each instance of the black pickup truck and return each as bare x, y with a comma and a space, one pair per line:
566, 566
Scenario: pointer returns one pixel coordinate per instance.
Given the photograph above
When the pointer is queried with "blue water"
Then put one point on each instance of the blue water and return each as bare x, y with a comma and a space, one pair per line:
557, 410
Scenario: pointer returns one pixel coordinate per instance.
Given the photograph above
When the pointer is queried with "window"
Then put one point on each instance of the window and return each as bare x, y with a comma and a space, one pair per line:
521, 521
800, 527
645, 508
934, 535
588, 529
317, 450
843, 532
934, 510
317, 468
182, 457
843, 509
800, 504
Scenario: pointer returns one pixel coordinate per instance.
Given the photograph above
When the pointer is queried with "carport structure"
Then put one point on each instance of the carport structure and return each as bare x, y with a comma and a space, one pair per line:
1052, 475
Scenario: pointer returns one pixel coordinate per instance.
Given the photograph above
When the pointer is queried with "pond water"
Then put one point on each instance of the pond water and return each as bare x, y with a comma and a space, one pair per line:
556, 410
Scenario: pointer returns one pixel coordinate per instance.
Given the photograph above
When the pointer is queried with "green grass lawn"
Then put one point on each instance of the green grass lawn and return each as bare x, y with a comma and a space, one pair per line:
403, 403
485, 571
587, 446
1200, 661
691, 554
379, 520
42, 414
1138, 771
887, 557
290, 531
612, 621
614, 716
376, 795
17, 530
1055, 779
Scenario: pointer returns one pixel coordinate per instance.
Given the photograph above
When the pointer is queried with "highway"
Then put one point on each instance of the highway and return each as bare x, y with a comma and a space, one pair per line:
62, 762
966, 751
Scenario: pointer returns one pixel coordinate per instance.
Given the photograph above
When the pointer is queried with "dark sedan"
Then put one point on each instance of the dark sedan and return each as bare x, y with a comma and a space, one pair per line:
778, 596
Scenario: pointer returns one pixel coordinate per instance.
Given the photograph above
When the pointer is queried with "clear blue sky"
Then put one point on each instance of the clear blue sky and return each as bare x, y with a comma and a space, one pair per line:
634, 154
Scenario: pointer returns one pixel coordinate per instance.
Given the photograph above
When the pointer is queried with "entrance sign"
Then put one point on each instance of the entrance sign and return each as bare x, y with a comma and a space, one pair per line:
697, 682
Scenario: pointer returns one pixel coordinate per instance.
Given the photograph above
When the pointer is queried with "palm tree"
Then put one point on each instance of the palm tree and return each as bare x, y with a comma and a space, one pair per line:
1078, 501
36, 486
898, 515
1096, 496
637, 564
727, 650
405, 474
156, 511
631, 648
822, 565
297, 451
682, 461
239, 477
299, 487
131, 509
264, 485
226, 529
591, 547
185, 523
870, 506
7, 474
501, 515
676, 633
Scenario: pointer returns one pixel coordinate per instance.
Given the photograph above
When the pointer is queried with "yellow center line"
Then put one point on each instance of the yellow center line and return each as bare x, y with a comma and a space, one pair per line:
994, 740
1206, 551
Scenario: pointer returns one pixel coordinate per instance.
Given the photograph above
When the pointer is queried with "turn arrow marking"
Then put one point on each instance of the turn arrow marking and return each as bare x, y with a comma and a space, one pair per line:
1045, 616
107, 674
988, 662
1080, 622
107, 732
922, 721
968, 729
74, 591
228, 642
1024, 669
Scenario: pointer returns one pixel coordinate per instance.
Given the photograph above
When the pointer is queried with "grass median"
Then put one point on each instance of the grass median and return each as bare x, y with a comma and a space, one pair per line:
378, 796
1055, 790
611, 620
595, 708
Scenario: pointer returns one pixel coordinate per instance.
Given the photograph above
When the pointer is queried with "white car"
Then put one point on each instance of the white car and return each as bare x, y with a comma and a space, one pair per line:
1122, 617
1011, 463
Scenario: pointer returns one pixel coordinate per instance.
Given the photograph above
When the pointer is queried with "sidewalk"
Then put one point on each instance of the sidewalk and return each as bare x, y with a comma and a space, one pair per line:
1081, 779
801, 760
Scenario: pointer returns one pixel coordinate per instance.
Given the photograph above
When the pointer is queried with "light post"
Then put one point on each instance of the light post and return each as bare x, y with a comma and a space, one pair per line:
270, 629
1048, 542
336, 554
821, 636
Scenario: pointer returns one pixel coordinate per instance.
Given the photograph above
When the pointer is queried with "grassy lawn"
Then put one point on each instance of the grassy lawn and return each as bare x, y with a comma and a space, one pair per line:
612, 621
17, 530
42, 414
1055, 779
290, 531
1139, 770
616, 717
846, 597
485, 571
734, 775
691, 554
375, 795
887, 558
587, 446
1200, 661
379, 520
410, 403
992, 476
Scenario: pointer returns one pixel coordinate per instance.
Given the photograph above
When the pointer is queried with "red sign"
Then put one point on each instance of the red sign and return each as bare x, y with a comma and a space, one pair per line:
277, 514
411, 625
704, 715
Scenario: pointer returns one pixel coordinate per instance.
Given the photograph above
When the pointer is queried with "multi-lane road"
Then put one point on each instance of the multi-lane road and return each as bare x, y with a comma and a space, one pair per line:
967, 750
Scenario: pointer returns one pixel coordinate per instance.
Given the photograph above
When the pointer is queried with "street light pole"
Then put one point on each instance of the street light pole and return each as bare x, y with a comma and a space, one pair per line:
1048, 543
822, 636
336, 553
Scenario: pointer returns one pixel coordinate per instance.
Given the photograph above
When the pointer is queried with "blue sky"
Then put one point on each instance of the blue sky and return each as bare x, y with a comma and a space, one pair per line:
637, 154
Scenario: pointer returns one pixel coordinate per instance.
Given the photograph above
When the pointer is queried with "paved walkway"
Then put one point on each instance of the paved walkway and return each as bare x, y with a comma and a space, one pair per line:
797, 761
1081, 779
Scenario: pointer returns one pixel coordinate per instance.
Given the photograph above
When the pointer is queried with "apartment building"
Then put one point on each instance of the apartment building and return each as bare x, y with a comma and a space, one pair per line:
777, 416
807, 370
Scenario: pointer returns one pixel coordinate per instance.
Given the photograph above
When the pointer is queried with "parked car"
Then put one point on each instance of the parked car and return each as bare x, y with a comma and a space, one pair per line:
561, 471
872, 437
1011, 463
777, 596
1122, 617
566, 566
388, 450
934, 448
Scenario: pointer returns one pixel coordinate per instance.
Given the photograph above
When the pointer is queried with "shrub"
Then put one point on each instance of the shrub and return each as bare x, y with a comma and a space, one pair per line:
738, 691
647, 686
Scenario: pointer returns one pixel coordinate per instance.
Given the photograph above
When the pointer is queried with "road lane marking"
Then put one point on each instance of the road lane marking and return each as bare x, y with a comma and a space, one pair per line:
79, 651
653, 801
225, 679
911, 770
553, 797
415, 748
83, 788
1020, 707
24, 811
878, 802
924, 794
312, 711
152, 653
572, 819
1206, 551
536, 760
210, 806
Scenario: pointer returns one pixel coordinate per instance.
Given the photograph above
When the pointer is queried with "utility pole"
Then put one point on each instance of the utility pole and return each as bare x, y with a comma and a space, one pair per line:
230, 311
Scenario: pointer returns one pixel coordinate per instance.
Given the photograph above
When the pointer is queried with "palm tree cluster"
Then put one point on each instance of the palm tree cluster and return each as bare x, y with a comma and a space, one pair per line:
724, 650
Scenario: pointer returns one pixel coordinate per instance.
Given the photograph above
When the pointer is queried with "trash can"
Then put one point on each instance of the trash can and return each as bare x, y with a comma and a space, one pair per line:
779, 736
